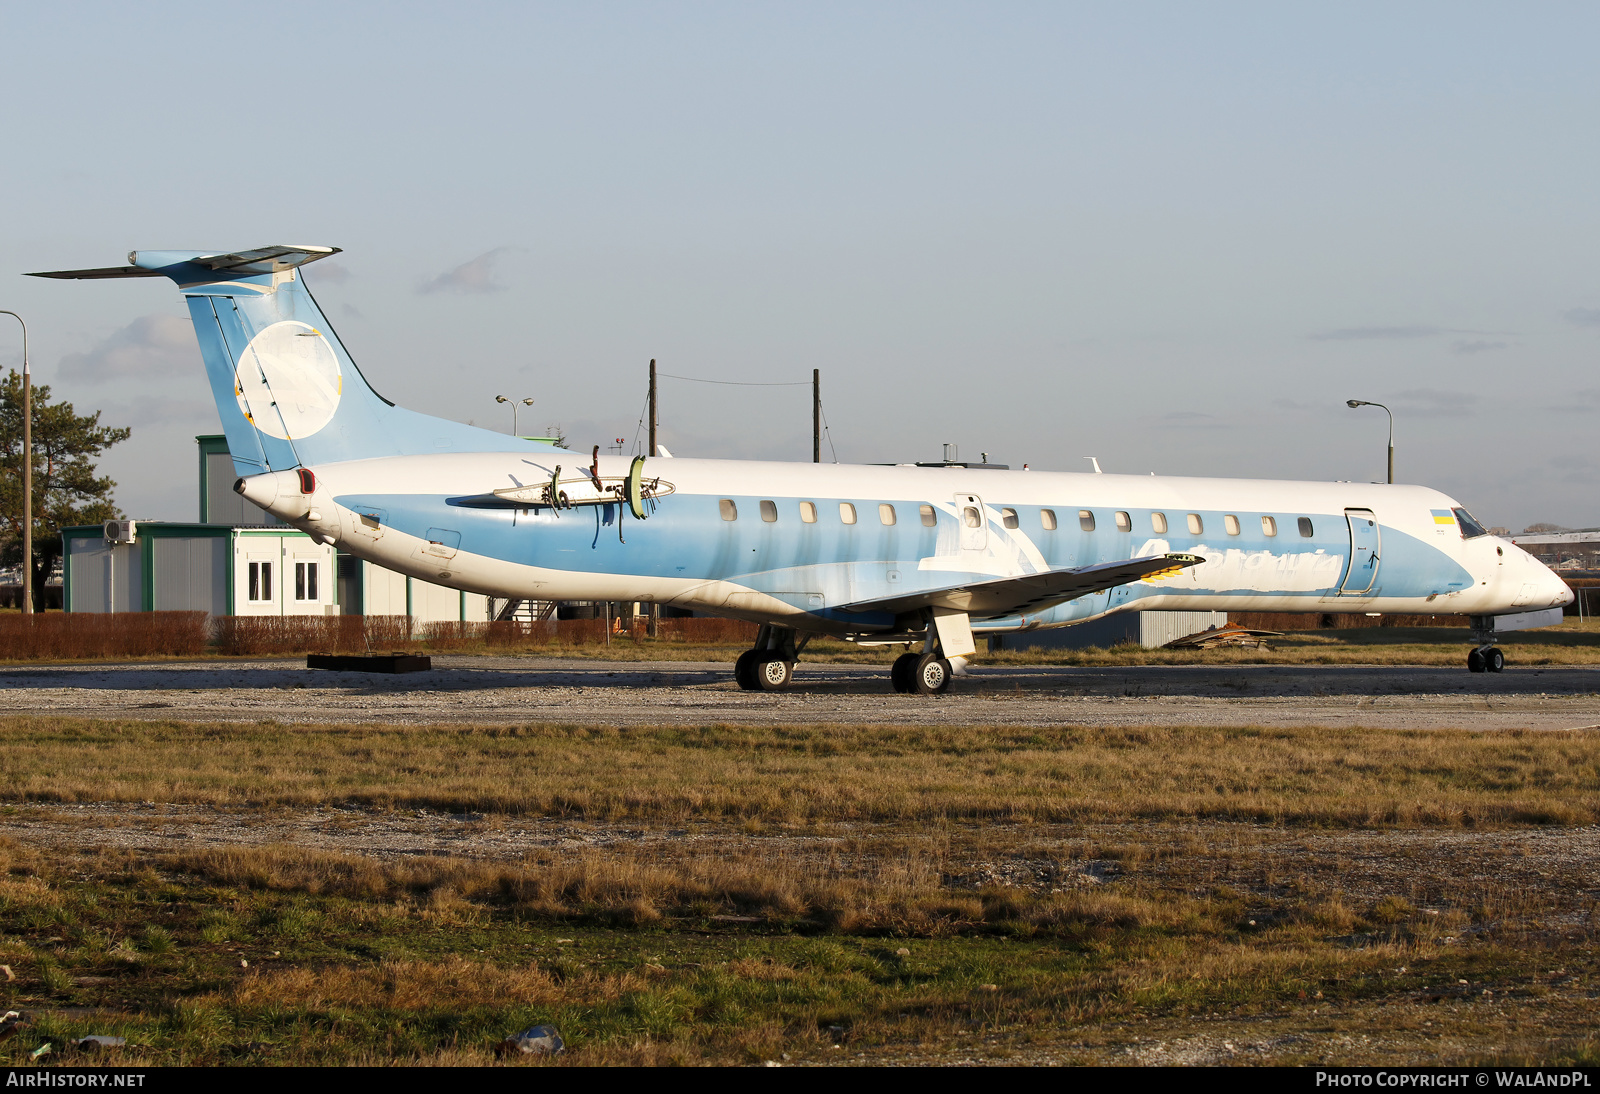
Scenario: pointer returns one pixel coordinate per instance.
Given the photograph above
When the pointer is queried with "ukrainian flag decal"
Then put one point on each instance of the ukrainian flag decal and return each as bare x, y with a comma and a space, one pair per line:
1443, 516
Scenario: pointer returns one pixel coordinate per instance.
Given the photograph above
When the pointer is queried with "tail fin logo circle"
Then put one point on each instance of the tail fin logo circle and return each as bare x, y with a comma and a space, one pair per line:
288, 382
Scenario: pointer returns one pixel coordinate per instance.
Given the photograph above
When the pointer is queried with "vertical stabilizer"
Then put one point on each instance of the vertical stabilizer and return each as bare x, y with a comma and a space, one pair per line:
288, 393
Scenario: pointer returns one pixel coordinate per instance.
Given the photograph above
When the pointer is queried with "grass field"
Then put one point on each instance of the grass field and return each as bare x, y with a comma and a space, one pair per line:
737, 894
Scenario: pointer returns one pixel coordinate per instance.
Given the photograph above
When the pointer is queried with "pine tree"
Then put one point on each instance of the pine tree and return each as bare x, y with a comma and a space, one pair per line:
65, 489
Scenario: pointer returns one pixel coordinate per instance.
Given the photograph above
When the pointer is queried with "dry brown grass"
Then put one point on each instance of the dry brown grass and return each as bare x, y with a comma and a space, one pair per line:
866, 892
824, 773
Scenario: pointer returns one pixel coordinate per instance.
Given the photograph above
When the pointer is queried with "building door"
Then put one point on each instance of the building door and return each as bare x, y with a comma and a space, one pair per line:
1363, 572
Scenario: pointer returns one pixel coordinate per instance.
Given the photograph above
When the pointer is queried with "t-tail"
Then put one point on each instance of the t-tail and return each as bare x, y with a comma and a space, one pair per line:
288, 393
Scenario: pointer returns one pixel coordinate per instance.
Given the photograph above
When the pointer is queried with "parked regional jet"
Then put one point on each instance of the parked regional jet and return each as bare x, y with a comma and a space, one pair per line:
935, 556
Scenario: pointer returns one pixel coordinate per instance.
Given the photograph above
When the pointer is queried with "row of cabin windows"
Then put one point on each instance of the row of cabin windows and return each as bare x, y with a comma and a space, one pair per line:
1008, 517
847, 512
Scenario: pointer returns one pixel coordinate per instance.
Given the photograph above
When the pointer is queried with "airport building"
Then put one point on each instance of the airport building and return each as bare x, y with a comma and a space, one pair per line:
238, 560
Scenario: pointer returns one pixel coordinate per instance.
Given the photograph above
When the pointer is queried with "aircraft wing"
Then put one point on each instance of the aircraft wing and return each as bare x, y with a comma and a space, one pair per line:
1001, 596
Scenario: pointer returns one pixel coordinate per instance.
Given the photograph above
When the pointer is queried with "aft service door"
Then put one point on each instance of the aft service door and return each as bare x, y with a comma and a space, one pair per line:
972, 522
1363, 572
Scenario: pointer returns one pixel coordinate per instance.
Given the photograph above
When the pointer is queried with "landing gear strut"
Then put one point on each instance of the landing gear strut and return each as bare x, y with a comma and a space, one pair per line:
1488, 656
769, 665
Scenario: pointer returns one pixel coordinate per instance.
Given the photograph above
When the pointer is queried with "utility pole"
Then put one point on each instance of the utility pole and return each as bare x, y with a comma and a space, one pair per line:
653, 620
652, 451
27, 472
816, 415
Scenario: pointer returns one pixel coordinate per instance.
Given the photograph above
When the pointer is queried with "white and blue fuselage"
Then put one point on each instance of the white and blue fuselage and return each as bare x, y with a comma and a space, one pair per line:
948, 552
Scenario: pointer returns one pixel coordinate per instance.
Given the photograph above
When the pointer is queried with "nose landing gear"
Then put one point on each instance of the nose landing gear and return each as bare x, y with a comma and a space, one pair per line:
1488, 656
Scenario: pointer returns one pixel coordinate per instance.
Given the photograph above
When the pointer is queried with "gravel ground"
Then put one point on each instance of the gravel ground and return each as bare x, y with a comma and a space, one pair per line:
493, 690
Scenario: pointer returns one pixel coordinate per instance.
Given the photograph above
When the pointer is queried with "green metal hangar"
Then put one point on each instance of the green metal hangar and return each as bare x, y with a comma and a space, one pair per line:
238, 560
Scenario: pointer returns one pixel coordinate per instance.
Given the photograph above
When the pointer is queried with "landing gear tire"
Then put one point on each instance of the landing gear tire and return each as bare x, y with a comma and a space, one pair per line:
1475, 661
931, 675
744, 671
1494, 660
905, 667
772, 672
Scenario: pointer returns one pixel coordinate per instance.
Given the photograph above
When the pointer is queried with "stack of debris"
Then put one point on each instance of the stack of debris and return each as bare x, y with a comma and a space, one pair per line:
1229, 634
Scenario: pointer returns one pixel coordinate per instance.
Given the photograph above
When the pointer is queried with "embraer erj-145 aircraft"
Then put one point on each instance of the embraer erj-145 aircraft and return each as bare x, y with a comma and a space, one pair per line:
935, 556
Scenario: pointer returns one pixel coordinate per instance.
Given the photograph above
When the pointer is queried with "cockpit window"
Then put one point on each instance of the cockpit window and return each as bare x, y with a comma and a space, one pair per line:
1470, 528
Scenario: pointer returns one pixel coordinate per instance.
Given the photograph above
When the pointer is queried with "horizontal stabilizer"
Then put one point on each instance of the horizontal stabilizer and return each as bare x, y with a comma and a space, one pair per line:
95, 275
1002, 596
263, 260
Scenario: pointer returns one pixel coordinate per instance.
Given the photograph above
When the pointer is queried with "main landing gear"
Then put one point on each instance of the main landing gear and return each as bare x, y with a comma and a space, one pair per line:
925, 673
1487, 657
769, 665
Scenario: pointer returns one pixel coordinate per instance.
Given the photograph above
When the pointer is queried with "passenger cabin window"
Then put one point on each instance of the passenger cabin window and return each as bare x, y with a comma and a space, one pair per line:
1230, 524
1470, 528
1269, 527
1196, 525
885, 513
769, 511
1086, 519
847, 513
305, 580
260, 581
1158, 523
1124, 522
730, 511
1305, 527
808, 512
971, 517
928, 517
1008, 517
1047, 517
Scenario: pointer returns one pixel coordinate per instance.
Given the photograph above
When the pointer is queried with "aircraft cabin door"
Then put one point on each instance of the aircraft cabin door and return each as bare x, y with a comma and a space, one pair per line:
974, 527
1364, 542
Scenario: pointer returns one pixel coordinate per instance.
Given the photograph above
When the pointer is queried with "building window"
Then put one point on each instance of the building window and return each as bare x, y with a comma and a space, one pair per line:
929, 519
730, 511
1086, 520
1230, 524
1008, 517
260, 582
808, 512
1196, 525
769, 511
847, 513
885, 513
305, 581
1305, 527
1158, 523
1047, 518
1124, 522
1269, 527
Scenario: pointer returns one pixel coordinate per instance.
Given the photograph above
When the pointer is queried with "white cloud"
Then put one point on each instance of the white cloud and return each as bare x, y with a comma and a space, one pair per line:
476, 276
152, 345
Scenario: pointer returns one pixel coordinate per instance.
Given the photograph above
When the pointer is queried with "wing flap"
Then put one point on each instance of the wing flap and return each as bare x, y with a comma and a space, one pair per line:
1003, 596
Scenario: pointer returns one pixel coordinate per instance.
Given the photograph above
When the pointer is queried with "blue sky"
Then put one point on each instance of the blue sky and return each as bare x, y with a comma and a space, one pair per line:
1173, 236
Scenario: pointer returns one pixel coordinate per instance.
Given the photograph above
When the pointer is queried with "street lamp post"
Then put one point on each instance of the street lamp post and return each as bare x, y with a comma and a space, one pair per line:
1353, 403
27, 471
513, 402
